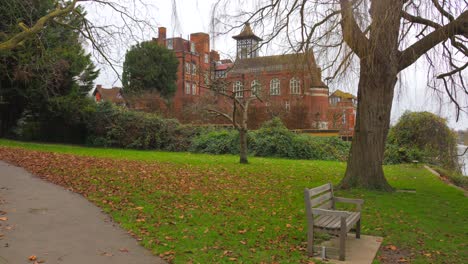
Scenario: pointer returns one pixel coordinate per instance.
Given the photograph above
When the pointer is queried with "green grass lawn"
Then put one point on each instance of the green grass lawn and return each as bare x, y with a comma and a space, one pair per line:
210, 209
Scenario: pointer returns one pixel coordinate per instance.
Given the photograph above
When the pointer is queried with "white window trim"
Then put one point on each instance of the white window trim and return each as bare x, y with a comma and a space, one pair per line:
188, 88
194, 89
275, 86
255, 87
295, 86
238, 89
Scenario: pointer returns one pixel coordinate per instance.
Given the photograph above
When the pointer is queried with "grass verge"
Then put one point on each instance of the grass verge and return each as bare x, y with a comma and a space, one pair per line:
192, 208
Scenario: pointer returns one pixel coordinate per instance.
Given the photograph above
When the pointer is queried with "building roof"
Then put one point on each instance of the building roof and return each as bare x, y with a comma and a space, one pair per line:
344, 95
247, 33
110, 94
300, 62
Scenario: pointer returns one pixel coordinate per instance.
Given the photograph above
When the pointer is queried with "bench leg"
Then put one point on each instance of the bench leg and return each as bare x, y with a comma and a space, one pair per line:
342, 244
310, 242
343, 239
358, 229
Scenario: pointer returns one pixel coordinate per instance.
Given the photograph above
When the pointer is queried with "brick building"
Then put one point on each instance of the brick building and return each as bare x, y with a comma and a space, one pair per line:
290, 85
342, 113
195, 68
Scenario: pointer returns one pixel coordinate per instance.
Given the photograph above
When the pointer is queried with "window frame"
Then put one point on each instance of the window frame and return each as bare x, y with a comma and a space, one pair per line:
275, 86
295, 86
238, 89
255, 88
188, 88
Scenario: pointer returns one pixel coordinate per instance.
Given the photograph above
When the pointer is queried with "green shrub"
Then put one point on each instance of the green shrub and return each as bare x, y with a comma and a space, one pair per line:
273, 139
422, 136
217, 142
113, 126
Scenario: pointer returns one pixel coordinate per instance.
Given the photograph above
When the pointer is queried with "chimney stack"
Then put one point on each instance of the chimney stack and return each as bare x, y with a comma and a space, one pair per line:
162, 33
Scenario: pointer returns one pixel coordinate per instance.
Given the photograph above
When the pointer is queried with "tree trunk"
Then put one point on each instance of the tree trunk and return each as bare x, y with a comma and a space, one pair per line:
375, 96
243, 146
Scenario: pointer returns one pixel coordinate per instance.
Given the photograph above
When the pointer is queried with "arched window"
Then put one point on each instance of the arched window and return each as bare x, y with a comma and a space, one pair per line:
295, 86
255, 87
275, 86
238, 89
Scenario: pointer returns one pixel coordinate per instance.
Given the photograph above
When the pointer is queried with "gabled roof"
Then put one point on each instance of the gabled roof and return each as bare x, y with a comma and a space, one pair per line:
247, 33
110, 94
344, 95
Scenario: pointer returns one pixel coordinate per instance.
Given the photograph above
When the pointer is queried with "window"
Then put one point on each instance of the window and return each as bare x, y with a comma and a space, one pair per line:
192, 47
187, 88
275, 86
238, 89
255, 88
194, 68
207, 58
170, 44
295, 86
220, 74
194, 89
187, 68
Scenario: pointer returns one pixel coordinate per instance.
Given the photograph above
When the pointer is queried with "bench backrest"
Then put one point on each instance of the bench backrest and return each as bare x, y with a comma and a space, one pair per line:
319, 197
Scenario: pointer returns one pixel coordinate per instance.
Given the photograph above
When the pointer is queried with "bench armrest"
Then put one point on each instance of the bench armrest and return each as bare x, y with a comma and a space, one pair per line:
318, 211
357, 202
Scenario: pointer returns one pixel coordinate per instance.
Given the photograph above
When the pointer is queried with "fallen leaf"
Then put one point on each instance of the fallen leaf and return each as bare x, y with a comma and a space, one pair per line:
242, 231
391, 247
32, 258
3, 218
123, 250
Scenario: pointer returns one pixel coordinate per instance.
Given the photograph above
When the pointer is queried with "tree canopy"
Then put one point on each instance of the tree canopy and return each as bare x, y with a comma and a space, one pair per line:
40, 75
150, 67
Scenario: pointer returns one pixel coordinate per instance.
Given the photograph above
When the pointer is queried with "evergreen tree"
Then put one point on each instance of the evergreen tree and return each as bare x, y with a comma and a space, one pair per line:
150, 67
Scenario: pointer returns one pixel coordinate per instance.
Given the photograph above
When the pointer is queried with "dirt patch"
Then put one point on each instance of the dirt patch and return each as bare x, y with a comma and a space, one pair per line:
391, 254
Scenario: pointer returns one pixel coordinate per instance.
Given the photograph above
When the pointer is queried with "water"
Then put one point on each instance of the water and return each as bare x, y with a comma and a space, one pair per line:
463, 159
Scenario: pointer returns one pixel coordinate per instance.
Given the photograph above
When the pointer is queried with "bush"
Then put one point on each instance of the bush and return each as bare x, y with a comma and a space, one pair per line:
113, 126
395, 154
273, 139
422, 136
217, 142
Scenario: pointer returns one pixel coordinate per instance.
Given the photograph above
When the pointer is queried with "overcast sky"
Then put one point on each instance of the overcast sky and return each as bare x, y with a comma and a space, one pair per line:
195, 16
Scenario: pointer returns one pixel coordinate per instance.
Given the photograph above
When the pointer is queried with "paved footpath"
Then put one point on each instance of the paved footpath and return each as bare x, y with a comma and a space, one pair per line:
58, 226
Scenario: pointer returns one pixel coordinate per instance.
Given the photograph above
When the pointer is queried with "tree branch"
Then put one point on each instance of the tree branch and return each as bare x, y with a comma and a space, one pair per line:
27, 33
352, 34
458, 26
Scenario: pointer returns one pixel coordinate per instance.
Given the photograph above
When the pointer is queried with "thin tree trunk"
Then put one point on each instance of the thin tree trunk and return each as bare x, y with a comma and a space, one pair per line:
243, 146
375, 95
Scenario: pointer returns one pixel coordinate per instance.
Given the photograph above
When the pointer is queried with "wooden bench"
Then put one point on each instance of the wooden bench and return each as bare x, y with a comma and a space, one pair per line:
322, 216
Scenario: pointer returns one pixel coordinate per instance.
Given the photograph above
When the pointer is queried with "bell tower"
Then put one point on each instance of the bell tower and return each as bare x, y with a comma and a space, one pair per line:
247, 43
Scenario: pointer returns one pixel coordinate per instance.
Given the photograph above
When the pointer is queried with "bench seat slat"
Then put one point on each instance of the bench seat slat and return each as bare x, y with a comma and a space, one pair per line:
334, 222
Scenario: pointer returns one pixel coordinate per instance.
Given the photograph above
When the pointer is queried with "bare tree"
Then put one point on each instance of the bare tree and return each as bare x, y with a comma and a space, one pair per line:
234, 108
384, 37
